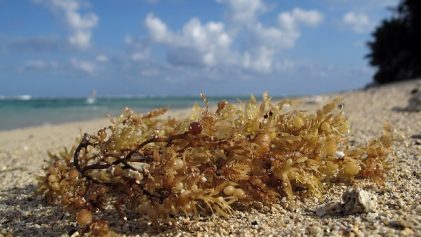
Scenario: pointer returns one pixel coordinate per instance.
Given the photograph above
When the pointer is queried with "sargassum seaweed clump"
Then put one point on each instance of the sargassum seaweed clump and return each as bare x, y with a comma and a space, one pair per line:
210, 162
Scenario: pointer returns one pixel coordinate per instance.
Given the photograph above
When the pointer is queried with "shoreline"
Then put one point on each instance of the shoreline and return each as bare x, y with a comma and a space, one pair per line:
40, 112
311, 98
23, 152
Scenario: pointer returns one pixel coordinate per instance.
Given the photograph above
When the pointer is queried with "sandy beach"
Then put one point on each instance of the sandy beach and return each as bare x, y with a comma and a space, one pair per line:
398, 212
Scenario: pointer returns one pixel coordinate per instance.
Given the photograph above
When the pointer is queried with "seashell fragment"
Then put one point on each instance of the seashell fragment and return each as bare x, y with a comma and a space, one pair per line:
354, 200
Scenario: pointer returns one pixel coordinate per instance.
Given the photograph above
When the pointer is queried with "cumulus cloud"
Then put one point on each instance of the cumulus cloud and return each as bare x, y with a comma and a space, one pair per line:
80, 25
157, 28
245, 43
244, 11
273, 39
359, 22
208, 42
298, 15
289, 26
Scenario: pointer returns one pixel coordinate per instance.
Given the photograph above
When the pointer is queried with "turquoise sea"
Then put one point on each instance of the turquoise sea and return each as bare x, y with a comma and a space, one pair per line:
27, 111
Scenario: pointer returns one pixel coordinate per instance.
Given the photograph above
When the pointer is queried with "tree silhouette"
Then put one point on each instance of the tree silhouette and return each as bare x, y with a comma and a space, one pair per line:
396, 48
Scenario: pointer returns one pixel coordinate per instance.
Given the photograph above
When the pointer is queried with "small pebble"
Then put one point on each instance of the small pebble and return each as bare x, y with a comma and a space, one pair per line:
315, 230
400, 203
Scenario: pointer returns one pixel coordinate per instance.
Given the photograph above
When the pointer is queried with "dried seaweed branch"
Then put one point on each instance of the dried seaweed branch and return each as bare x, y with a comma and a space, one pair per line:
208, 163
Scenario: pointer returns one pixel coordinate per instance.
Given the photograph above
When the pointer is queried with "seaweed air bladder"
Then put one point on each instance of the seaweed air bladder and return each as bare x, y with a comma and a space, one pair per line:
210, 162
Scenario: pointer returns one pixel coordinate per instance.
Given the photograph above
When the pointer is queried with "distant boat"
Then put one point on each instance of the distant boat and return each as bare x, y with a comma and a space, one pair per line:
92, 98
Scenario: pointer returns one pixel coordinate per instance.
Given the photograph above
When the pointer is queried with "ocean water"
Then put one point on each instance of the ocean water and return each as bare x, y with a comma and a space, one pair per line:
26, 111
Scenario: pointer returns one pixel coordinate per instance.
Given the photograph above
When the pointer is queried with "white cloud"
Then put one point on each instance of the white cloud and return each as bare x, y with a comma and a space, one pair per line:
245, 11
260, 60
209, 42
289, 26
81, 25
306, 17
85, 66
157, 28
247, 43
359, 22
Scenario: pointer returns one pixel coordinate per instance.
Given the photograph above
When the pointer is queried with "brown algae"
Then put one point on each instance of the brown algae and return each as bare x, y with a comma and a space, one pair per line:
210, 162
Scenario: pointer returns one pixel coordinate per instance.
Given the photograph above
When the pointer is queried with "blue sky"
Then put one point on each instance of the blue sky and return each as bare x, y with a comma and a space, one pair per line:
68, 48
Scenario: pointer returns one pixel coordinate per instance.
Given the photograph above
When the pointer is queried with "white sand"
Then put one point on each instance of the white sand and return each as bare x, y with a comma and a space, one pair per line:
23, 151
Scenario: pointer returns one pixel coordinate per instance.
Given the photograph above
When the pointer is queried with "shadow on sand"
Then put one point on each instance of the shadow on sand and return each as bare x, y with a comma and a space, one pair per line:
23, 213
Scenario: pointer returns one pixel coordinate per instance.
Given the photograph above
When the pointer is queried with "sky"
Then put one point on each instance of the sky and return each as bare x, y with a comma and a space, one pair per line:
67, 48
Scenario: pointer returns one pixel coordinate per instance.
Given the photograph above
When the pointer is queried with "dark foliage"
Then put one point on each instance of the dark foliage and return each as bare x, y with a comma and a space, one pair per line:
396, 48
